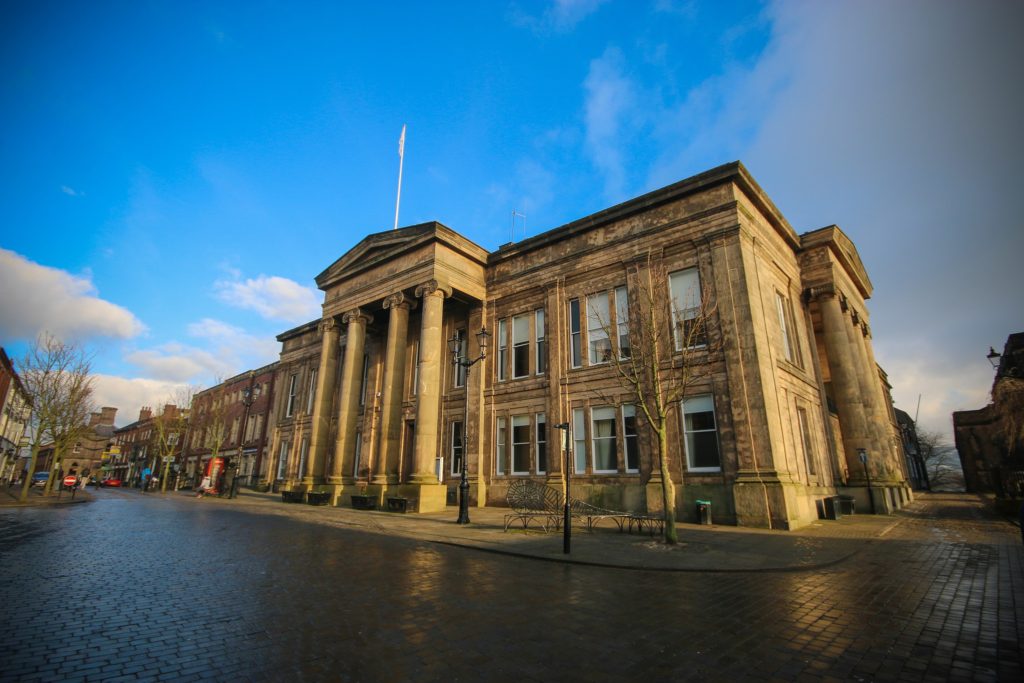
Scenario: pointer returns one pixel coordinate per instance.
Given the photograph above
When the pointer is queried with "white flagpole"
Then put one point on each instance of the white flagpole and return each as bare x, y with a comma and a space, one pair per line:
401, 158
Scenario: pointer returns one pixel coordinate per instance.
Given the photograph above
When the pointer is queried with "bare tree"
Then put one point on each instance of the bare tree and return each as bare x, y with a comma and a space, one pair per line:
170, 428
210, 419
57, 378
657, 356
940, 461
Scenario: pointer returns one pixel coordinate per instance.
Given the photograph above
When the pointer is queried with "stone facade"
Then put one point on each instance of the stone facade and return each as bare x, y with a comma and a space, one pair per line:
990, 440
15, 409
786, 399
231, 420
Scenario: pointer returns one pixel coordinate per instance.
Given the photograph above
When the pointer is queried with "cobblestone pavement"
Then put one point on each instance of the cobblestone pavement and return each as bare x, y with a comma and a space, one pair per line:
167, 587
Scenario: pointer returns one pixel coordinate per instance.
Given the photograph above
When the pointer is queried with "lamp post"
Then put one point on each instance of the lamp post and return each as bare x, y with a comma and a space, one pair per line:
994, 357
867, 475
455, 345
247, 402
566, 516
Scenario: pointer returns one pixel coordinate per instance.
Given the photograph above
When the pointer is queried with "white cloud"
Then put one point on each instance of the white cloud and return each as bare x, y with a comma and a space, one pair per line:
39, 298
560, 16
273, 297
610, 116
233, 343
128, 395
893, 120
179, 364
222, 350
71, 192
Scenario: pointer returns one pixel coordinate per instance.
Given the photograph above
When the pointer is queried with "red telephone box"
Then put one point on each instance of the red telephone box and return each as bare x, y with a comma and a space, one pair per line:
213, 469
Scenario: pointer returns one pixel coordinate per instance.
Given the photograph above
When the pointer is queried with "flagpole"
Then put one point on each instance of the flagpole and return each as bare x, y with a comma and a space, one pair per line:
401, 158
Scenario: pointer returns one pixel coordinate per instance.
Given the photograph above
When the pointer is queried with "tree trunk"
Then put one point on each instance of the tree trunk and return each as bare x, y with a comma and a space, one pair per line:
668, 489
27, 484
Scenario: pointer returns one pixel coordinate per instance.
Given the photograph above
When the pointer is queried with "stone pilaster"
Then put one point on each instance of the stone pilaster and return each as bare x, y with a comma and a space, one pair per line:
385, 469
323, 401
348, 399
474, 450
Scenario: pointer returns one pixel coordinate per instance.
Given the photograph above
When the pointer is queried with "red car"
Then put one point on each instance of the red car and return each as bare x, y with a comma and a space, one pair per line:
110, 482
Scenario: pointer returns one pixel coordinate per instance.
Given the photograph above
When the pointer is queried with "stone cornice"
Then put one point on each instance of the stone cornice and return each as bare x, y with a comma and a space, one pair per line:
734, 172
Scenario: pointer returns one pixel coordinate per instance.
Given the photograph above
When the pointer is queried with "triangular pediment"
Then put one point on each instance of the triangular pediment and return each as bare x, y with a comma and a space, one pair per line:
383, 246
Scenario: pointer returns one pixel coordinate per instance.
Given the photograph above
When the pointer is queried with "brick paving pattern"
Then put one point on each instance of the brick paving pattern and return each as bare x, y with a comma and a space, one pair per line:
166, 588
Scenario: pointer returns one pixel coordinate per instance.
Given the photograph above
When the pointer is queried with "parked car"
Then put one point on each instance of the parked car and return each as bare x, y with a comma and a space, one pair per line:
40, 478
110, 482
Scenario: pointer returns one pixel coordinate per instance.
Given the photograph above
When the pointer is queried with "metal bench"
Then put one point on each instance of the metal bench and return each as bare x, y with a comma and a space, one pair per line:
532, 502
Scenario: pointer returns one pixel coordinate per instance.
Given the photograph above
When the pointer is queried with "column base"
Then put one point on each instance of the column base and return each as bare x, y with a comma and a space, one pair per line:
477, 491
423, 498
888, 496
764, 502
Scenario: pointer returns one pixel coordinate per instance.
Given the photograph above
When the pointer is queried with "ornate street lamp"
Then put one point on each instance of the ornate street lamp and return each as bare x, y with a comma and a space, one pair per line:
455, 345
994, 357
564, 427
247, 399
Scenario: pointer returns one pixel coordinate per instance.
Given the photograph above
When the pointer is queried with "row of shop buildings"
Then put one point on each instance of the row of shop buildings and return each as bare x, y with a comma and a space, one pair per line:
787, 405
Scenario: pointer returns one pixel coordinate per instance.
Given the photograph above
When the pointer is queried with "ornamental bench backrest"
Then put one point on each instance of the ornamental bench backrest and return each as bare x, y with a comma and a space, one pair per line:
528, 496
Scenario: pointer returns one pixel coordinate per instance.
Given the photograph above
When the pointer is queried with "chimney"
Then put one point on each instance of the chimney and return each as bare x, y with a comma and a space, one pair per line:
170, 411
94, 419
107, 415
145, 413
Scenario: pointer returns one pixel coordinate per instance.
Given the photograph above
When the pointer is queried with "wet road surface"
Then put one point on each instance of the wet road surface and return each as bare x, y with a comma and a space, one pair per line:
149, 587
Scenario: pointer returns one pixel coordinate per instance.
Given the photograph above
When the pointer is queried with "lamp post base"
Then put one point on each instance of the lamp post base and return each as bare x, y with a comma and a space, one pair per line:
463, 501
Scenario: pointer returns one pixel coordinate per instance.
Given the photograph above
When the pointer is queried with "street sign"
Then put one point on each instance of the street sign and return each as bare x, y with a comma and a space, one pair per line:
70, 480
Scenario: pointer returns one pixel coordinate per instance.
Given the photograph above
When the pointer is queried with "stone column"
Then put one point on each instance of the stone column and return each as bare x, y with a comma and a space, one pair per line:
348, 399
845, 385
428, 386
867, 376
886, 436
323, 401
385, 469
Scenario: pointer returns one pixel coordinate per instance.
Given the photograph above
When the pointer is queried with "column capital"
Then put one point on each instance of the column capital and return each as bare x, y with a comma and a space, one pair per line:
327, 324
399, 300
433, 288
818, 292
356, 315
855, 316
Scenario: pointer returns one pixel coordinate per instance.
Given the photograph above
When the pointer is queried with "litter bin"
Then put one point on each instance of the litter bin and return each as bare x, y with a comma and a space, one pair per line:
847, 505
703, 512
830, 508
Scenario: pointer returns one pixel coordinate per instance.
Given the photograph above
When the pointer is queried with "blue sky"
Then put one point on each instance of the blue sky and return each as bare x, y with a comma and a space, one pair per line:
175, 174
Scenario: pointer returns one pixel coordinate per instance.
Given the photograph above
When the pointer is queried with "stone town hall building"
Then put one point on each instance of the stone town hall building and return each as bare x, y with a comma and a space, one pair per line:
369, 401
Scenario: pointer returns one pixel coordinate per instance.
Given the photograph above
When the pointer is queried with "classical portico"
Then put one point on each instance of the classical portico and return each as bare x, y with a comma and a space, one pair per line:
394, 288
836, 285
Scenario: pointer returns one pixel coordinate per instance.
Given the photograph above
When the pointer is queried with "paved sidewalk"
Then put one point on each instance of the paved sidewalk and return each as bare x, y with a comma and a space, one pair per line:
930, 518
10, 497
701, 548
